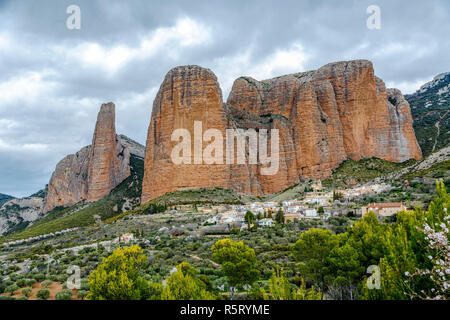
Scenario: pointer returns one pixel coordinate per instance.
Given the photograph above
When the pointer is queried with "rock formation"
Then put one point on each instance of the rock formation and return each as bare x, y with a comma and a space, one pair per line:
324, 117
95, 170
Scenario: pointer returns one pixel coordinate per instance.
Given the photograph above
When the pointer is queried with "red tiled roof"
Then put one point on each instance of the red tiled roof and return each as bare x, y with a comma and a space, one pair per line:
385, 205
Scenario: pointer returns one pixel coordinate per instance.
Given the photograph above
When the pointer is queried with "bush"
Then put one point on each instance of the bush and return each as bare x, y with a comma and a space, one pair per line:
84, 284
27, 291
155, 290
46, 283
64, 295
39, 277
21, 283
82, 294
11, 289
30, 282
43, 294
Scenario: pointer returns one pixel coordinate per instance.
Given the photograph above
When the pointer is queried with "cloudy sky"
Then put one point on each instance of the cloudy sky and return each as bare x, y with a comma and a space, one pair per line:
53, 79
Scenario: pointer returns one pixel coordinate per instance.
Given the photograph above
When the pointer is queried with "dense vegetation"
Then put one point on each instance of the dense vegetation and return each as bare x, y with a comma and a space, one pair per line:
125, 196
352, 172
411, 254
429, 108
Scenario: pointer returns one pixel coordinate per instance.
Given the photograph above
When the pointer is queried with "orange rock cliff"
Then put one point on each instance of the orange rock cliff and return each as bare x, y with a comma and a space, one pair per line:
340, 111
95, 170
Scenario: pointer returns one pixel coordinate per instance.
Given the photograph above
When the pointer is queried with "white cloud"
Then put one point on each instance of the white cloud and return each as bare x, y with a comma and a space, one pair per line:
185, 33
281, 62
25, 88
406, 87
5, 40
22, 147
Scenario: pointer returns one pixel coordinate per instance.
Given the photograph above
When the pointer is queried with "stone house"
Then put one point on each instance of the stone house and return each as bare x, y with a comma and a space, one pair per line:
383, 209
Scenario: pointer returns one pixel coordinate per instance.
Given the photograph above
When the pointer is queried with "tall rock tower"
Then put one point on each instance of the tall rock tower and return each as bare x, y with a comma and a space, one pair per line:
108, 162
95, 170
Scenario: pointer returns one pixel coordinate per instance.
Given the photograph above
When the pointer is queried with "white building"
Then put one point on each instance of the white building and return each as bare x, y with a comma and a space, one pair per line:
265, 222
310, 212
126, 238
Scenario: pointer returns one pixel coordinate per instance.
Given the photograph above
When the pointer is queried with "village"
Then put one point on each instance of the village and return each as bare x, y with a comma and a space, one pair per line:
319, 204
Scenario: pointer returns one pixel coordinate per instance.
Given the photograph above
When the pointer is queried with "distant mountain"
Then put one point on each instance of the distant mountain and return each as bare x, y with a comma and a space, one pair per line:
4, 198
430, 108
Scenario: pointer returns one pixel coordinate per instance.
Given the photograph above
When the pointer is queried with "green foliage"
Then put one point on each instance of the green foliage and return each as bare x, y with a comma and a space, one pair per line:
362, 171
81, 294
43, 294
64, 295
155, 291
11, 289
257, 293
59, 219
185, 285
427, 109
118, 277
250, 219
27, 291
279, 286
279, 217
312, 249
237, 261
46, 283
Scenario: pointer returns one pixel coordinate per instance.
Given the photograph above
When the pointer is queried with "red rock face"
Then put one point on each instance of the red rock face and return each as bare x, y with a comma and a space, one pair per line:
187, 94
95, 170
109, 159
324, 117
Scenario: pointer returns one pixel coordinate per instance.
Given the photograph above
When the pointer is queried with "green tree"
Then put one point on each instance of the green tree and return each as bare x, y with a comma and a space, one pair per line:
118, 277
320, 210
279, 286
279, 217
345, 269
249, 218
185, 285
237, 261
312, 250
155, 290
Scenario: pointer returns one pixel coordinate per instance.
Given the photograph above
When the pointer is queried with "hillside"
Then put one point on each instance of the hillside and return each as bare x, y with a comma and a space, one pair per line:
4, 198
126, 196
430, 108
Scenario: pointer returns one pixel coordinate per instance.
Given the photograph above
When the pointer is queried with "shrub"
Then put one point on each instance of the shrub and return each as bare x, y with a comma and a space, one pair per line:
155, 290
82, 294
11, 289
84, 284
39, 277
21, 283
27, 291
43, 294
64, 295
30, 282
46, 283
